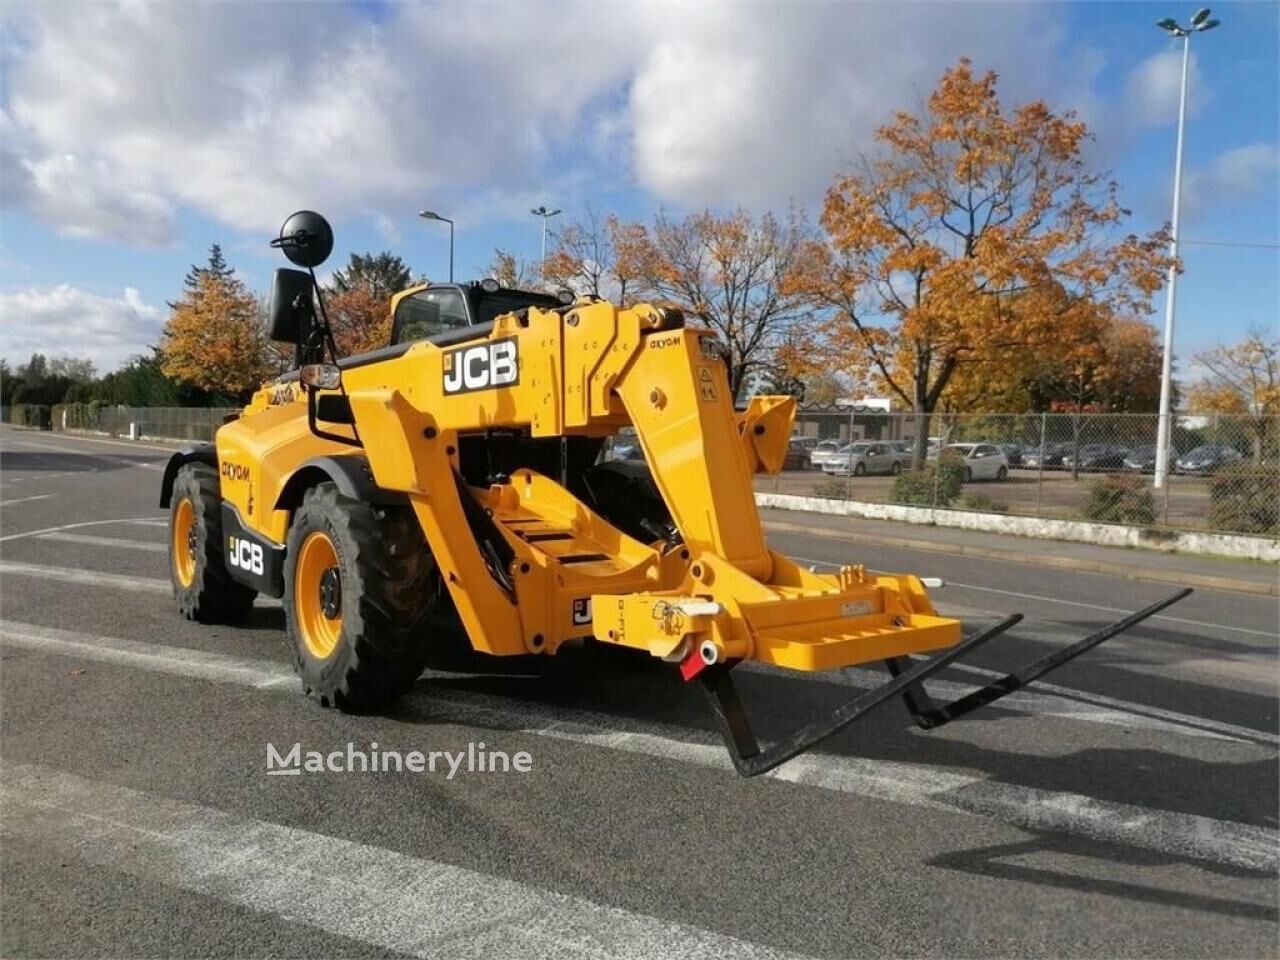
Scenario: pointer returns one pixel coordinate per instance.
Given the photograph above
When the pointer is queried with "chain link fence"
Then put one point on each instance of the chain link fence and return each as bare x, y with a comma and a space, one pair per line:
140, 423
1223, 472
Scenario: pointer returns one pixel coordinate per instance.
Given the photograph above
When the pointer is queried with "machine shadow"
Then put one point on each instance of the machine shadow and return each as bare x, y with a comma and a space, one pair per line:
991, 862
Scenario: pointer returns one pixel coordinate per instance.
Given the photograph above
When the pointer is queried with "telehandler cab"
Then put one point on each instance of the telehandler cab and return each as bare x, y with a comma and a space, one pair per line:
462, 463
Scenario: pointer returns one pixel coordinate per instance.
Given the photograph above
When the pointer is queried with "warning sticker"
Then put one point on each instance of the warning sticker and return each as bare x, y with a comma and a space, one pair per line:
706, 385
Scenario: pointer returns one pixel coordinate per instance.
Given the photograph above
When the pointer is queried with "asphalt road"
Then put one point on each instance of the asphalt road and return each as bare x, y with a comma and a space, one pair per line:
1127, 808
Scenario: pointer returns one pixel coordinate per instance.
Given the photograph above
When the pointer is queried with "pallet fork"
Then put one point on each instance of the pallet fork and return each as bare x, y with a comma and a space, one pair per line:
906, 681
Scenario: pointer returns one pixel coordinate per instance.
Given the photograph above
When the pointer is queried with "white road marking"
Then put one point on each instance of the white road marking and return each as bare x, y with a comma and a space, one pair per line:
401, 903
180, 661
1163, 831
148, 522
95, 578
91, 541
10, 503
78, 526
1064, 701
1273, 635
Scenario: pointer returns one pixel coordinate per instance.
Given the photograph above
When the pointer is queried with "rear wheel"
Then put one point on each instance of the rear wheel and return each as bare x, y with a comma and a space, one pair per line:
896, 468
202, 586
1002, 473
968, 475
860, 470
360, 586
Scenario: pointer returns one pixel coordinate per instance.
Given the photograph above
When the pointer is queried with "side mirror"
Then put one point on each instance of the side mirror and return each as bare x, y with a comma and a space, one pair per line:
292, 309
306, 239
321, 376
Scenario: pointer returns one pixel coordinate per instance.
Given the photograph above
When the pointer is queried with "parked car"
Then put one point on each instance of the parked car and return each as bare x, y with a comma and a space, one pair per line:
868, 457
1141, 459
797, 457
1206, 459
805, 443
1049, 459
820, 457
982, 461
1095, 457
1012, 453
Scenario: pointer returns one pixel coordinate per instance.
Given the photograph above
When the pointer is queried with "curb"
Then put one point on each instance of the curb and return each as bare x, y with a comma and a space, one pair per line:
1205, 581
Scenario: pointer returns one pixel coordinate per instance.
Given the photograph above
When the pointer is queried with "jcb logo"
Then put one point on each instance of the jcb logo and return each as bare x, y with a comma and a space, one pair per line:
482, 367
581, 611
245, 554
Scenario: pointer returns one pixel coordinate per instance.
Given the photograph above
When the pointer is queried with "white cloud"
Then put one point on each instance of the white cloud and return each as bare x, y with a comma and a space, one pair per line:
1155, 86
69, 321
1232, 176
119, 116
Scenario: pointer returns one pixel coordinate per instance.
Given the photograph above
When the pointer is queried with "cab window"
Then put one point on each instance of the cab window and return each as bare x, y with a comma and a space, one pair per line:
428, 313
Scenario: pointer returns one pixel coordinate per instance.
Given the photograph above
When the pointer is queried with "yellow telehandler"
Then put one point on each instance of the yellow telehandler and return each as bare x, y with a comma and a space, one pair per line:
463, 463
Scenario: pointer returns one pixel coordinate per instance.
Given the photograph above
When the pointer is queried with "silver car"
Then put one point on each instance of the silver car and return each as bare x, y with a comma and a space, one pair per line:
982, 461
867, 457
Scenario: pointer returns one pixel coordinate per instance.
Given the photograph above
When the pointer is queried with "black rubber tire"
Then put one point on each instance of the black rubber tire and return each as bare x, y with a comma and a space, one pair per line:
968, 475
212, 597
390, 586
860, 470
1002, 474
896, 468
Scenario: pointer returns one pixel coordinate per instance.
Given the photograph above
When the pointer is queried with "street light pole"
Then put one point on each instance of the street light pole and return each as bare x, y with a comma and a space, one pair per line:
546, 215
432, 215
1199, 23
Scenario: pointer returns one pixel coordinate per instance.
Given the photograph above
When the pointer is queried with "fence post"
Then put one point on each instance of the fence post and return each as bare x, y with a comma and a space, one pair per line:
848, 480
1040, 465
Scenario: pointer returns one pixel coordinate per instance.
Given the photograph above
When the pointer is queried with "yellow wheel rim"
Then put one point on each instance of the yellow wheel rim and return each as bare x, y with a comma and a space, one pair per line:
185, 543
317, 595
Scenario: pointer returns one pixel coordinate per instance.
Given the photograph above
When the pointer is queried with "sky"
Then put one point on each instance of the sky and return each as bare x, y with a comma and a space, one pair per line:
133, 135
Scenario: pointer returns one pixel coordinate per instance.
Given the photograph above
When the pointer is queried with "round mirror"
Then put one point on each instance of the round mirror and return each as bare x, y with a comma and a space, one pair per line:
306, 239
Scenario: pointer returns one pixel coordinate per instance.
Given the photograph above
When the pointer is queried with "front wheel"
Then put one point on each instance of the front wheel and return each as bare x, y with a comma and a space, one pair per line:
968, 475
896, 468
202, 587
359, 588
1002, 473
860, 470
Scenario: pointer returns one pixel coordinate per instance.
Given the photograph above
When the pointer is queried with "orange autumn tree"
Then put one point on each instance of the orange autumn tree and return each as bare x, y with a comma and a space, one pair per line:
359, 300
215, 338
976, 234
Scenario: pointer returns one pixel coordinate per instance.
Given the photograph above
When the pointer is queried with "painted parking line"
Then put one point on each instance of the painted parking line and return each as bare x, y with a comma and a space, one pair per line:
1167, 832
93, 578
24, 534
15, 502
89, 540
423, 908
1062, 702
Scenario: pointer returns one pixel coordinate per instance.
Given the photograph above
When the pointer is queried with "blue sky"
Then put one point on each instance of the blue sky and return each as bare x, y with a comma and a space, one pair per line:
203, 123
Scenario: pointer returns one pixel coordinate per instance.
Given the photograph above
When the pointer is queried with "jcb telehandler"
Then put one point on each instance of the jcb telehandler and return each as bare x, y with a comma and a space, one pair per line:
462, 462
